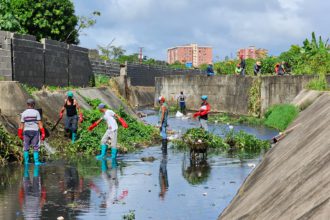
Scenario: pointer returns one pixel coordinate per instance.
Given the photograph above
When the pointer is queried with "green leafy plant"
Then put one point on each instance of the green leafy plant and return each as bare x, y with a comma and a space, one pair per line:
280, 116
130, 215
10, 150
319, 83
255, 98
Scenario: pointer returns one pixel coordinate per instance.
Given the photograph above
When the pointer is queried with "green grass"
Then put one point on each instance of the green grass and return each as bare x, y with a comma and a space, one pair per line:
102, 80
280, 116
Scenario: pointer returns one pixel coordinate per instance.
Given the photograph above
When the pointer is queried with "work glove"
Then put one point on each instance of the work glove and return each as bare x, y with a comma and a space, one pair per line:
20, 134
43, 134
196, 114
90, 128
61, 115
123, 122
81, 118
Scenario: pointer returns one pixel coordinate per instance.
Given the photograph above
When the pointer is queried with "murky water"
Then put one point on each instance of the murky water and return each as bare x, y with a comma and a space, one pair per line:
170, 187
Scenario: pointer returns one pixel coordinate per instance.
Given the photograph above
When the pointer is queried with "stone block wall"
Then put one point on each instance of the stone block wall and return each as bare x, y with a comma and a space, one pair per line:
48, 62
80, 70
56, 63
5, 56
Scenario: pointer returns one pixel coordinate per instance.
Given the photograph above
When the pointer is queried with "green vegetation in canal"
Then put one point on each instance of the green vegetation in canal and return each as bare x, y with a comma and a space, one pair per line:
255, 98
10, 148
233, 142
280, 116
137, 134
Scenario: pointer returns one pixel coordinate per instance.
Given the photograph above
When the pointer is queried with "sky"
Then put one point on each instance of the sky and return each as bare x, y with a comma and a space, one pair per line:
226, 25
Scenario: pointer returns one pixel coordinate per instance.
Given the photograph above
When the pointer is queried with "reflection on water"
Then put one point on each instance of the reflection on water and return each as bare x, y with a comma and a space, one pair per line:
195, 170
108, 189
32, 194
163, 178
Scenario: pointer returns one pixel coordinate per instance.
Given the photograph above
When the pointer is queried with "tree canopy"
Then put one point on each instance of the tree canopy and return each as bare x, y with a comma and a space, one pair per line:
51, 19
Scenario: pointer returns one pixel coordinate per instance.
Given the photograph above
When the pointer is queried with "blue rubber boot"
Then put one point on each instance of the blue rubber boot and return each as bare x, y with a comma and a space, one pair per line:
114, 152
36, 158
104, 165
104, 148
73, 137
114, 163
36, 171
26, 157
26, 170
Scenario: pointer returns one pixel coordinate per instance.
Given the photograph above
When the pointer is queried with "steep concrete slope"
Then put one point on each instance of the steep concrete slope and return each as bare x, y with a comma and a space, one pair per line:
293, 180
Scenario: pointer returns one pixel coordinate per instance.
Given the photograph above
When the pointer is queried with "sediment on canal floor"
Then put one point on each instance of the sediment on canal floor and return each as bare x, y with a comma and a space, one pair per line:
293, 180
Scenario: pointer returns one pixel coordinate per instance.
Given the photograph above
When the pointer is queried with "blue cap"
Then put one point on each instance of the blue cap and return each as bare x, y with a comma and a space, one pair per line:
70, 94
101, 105
204, 97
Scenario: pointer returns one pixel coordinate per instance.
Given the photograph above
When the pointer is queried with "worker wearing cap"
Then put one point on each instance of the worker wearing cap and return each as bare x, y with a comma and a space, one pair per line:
203, 113
29, 131
71, 121
110, 134
163, 115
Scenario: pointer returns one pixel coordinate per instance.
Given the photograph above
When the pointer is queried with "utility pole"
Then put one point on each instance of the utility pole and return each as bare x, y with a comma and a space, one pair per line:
140, 55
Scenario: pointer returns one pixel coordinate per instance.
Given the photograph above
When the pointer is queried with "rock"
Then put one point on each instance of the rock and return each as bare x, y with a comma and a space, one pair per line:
148, 159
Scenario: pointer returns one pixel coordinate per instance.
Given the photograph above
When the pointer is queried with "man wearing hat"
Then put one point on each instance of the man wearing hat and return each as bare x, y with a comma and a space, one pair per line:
29, 131
203, 113
257, 68
71, 121
111, 133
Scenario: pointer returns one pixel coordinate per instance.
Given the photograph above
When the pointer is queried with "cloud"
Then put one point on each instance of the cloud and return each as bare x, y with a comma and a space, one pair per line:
226, 25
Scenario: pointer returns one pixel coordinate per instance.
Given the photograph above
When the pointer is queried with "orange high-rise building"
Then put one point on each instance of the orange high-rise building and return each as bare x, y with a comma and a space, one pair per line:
192, 53
252, 52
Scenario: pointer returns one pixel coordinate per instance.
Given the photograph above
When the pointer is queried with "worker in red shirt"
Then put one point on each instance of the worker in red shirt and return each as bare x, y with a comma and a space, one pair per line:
203, 113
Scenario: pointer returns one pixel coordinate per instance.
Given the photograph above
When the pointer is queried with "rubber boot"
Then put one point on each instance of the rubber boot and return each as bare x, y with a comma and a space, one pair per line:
36, 158
26, 157
114, 163
73, 137
104, 148
26, 170
104, 165
114, 152
36, 171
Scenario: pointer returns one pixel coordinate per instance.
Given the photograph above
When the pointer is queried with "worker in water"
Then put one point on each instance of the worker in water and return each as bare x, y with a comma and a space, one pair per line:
203, 113
71, 121
29, 131
163, 115
182, 102
111, 132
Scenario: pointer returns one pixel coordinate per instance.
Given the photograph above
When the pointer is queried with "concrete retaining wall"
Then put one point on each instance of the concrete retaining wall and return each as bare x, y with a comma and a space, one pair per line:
293, 179
228, 93
5, 56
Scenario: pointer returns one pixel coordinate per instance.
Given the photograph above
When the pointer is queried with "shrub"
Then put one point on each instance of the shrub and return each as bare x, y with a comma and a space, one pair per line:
319, 83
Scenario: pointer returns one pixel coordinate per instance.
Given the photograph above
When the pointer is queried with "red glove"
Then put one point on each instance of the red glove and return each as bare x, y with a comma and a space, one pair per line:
92, 126
61, 115
81, 117
123, 122
43, 134
196, 114
20, 133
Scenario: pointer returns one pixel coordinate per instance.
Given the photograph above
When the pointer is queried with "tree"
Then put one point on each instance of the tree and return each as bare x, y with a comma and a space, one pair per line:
111, 52
8, 21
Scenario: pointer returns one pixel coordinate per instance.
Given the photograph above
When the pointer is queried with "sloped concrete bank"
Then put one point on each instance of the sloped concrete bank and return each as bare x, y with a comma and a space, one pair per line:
13, 101
293, 180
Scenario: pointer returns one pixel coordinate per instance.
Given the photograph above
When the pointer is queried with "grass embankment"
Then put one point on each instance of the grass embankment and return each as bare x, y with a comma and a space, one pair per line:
135, 136
278, 117
240, 143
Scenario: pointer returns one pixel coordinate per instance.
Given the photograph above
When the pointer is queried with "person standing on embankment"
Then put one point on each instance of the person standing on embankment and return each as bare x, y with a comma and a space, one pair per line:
71, 121
29, 132
111, 133
163, 115
203, 113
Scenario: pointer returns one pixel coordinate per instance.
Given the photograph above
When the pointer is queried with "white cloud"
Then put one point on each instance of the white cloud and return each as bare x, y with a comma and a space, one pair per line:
226, 25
